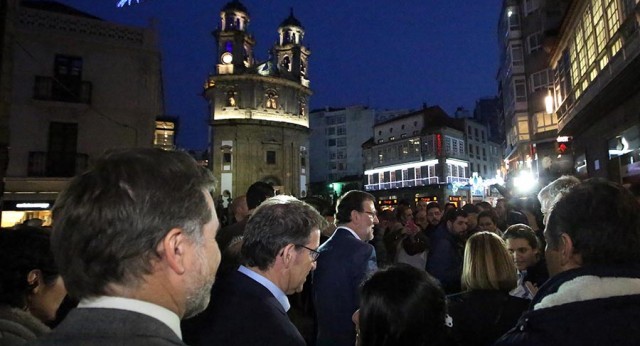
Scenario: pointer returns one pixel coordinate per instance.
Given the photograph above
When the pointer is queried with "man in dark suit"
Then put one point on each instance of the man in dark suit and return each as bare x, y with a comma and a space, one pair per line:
249, 306
134, 239
346, 260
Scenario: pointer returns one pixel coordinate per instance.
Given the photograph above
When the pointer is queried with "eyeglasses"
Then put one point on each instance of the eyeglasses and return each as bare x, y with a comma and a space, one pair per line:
372, 213
313, 253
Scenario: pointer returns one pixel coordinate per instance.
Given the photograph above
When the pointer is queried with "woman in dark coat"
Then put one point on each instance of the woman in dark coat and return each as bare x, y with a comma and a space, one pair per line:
485, 310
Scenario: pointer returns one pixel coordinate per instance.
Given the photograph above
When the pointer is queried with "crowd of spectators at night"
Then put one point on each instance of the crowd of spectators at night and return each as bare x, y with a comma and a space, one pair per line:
139, 255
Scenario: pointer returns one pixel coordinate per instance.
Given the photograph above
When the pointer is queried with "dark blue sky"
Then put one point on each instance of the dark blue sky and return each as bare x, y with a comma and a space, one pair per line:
384, 54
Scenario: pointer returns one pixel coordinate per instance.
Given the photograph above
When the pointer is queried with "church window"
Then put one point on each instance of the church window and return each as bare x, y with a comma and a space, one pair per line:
231, 98
303, 67
228, 46
271, 100
271, 157
302, 107
286, 63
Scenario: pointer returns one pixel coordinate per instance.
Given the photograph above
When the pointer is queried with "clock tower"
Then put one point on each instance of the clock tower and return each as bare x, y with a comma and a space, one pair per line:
259, 114
235, 44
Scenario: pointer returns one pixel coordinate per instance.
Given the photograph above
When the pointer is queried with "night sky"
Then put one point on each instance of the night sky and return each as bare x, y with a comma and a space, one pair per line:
384, 54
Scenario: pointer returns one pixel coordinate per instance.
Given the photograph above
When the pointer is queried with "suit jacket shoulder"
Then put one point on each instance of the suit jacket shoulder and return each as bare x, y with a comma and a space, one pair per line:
242, 312
102, 327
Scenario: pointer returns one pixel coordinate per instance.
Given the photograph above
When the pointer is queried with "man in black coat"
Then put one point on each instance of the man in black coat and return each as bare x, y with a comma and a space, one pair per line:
593, 295
249, 306
346, 260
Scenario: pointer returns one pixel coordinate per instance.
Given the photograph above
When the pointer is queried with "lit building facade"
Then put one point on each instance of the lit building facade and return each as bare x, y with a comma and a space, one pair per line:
525, 80
259, 110
78, 86
420, 155
596, 65
336, 141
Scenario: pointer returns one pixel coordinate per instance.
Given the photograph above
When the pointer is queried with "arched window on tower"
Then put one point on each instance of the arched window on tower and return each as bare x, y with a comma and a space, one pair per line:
271, 99
231, 99
238, 23
303, 68
228, 46
229, 22
286, 63
287, 37
302, 105
293, 38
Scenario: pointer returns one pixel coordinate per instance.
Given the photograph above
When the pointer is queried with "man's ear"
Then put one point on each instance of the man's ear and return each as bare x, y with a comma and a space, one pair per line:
566, 249
173, 249
34, 280
288, 255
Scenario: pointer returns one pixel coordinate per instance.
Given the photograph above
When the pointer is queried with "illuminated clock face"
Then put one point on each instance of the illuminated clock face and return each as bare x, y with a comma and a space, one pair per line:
227, 58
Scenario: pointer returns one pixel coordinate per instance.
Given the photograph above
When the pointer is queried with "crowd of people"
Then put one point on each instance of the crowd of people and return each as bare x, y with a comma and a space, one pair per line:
137, 256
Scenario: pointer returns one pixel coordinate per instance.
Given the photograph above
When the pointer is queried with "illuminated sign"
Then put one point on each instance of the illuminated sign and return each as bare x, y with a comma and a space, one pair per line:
388, 202
564, 139
32, 205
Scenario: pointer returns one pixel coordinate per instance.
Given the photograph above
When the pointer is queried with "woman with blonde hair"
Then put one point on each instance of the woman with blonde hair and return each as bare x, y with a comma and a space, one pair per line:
485, 310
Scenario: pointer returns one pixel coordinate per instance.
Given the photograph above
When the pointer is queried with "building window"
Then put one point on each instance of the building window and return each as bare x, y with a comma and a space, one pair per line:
164, 135
469, 130
226, 158
534, 42
514, 20
342, 130
61, 156
271, 157
545, 122
523, 127
520, 89
67, 84
541, 80
516, 54
482, 133
342, 142
476, 133
331, 131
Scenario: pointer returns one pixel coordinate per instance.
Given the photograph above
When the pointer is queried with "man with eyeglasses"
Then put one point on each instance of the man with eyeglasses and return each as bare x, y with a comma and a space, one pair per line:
249, 306
346, 260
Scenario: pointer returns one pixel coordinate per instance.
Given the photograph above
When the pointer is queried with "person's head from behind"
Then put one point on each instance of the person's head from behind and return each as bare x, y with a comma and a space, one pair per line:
140, 220
326, 210
281, 238
356, 209
239, 208
434, 213
523, 245
29, 278
401, 305
487, 264
472, 218
501, 208
257, 193
484, 206
595, 223
456, 221
488, 221
554, 191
